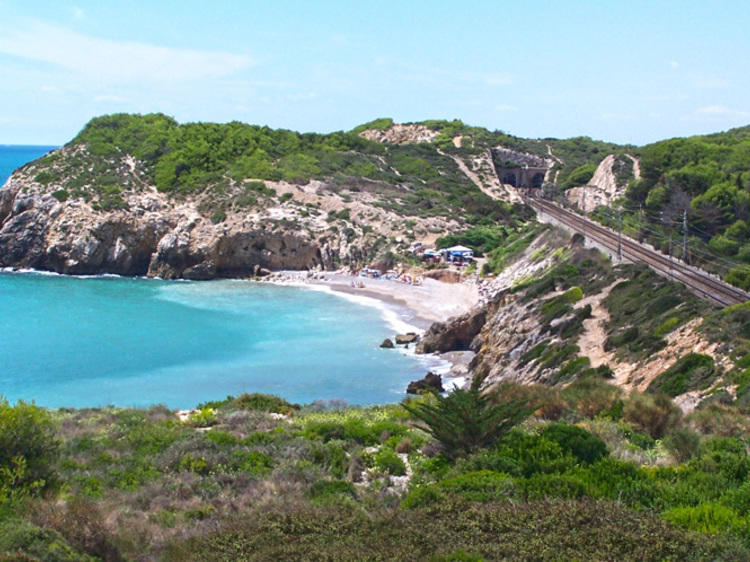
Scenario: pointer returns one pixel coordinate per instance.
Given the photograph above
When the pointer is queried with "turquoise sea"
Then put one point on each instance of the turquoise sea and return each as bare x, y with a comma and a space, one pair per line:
67, 341
14, 156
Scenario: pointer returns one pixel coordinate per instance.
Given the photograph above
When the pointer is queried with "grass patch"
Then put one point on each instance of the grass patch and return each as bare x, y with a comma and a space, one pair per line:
691, 372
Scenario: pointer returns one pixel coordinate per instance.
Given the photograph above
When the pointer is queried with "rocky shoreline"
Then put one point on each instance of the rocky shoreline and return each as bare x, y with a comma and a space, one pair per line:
407, 308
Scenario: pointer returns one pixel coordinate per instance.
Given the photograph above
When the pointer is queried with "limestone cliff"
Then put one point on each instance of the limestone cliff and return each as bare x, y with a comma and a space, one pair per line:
607, 184
573, 314
306, 226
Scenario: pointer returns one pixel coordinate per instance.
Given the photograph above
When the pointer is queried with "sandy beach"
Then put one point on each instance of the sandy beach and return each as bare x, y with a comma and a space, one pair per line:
405, 307
416, 305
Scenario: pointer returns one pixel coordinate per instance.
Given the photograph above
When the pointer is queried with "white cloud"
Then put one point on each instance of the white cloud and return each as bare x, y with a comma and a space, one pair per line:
78, 13
499, 79
116, 61
674, 64
108, 98
301, 96
614, 116
722, 111
673, 97
711, 82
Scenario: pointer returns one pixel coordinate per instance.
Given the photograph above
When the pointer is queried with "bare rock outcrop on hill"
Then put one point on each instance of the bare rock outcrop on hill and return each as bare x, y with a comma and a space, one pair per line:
151, 238
401, 134
70, 237
155, 234
607, 184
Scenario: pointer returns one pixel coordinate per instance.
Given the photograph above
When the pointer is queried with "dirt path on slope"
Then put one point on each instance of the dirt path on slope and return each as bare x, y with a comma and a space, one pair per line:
591, 341
636, 166
494, 192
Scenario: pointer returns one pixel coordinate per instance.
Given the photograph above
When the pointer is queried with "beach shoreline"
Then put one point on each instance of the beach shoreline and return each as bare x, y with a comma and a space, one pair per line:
405, 307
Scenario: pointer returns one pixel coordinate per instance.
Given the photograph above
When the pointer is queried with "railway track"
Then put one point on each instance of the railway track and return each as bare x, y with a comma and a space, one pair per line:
699, 282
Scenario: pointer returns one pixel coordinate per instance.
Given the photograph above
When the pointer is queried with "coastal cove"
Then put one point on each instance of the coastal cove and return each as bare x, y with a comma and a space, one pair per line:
84, 342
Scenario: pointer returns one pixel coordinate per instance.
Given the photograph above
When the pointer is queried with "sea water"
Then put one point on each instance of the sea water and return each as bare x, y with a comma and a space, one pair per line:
15, 156
71, 341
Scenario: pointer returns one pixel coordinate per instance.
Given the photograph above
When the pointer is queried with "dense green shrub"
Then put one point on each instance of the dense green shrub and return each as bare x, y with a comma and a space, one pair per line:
521, 454
691, 372
29, 542
28, 446
576, 440
354, 428
325, 489
580, 176
264, 403
738, 499
624, 481
710, 518
565, 486
480, 486
61, 195
655, 414
422, 495
331, 455
389, 462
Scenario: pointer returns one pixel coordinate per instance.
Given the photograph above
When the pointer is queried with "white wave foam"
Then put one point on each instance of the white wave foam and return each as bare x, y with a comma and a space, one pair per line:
388, 314
31, 270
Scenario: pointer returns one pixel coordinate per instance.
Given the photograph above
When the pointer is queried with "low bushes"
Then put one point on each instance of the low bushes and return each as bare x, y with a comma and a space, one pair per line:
329, 483
577, 441
29, 447
691, 372
654, 414
547, 529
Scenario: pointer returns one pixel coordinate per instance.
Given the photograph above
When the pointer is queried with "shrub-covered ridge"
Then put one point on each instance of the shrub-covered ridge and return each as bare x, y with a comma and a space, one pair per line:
591, 474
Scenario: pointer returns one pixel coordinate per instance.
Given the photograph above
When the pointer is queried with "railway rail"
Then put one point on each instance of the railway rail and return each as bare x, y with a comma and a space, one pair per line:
699, 282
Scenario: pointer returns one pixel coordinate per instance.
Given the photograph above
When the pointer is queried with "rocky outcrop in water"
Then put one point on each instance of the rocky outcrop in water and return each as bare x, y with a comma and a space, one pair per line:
456, 334
431, 382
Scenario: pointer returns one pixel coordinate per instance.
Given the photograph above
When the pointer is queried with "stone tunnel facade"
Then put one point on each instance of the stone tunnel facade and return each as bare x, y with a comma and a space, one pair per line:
520, 169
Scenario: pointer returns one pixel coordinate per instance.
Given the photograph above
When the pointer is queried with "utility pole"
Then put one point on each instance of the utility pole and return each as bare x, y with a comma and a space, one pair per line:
619, 235
583, 215
669, 253
684, 236
638, 222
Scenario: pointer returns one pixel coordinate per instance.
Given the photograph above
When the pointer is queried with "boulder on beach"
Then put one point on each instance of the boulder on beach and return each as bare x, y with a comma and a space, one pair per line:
410, 337
455, 335
387, 344
259, 271
430, 382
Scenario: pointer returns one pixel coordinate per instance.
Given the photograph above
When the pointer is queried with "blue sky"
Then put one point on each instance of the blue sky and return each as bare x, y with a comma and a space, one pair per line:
625, 71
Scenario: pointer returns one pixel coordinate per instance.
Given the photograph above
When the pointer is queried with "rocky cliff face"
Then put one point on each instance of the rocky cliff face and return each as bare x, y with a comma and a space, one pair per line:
607, 184
561, 318
151, 238
157, 235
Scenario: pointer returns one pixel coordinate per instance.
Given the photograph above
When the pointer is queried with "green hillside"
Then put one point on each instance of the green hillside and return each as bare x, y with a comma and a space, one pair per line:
213, 160
707, 179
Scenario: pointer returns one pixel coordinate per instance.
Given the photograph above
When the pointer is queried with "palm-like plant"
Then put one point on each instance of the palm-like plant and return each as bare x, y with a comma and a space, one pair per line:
467, 420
